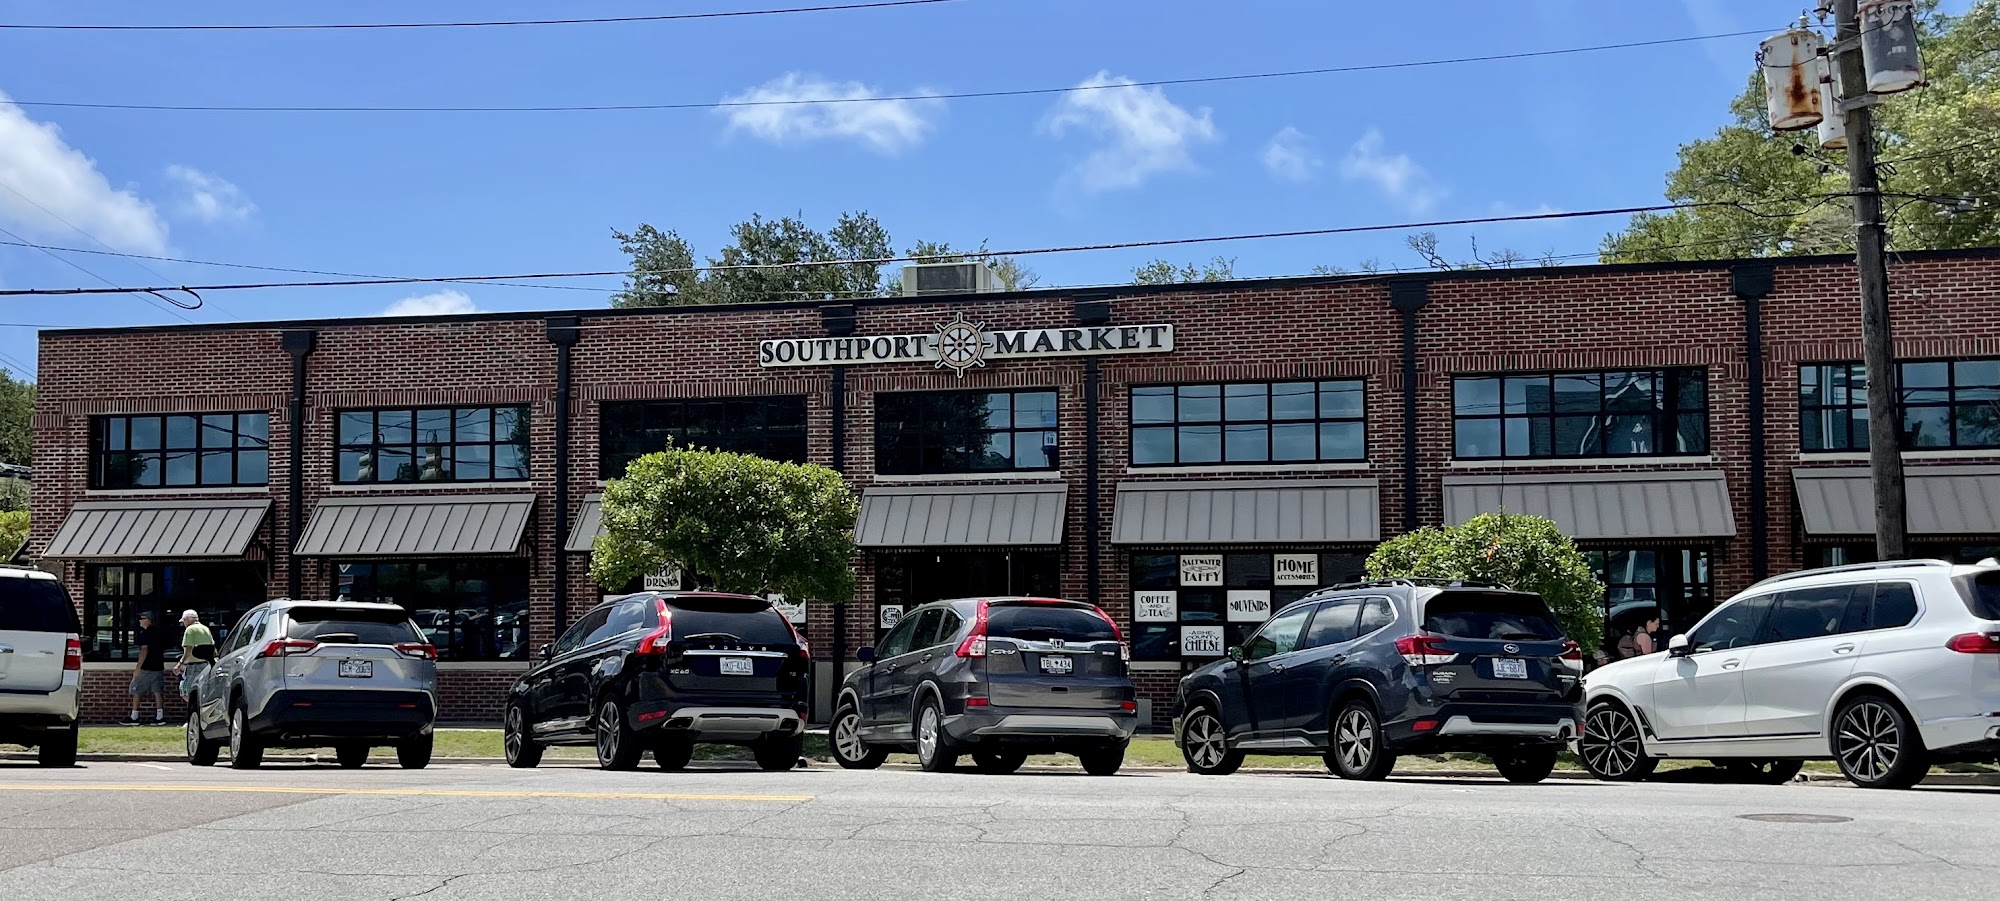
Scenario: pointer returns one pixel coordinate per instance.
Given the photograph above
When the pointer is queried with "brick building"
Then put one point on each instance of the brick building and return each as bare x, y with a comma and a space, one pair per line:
1191, 457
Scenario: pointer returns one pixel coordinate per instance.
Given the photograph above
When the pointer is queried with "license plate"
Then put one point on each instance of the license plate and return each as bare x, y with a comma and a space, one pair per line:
357, 669
737, 666
1510, 668
1057, 665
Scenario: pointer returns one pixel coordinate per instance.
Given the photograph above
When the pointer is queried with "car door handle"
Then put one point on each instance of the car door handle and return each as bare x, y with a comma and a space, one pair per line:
927, 659
1338, 658
1277, 667
1844, 649
1731, 664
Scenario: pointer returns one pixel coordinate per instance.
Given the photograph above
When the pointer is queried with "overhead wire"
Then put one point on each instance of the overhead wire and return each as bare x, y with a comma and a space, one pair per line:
168, 302
139, 256
378, 26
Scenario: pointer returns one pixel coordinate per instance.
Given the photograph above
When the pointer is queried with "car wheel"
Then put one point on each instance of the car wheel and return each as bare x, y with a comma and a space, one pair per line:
617, 745
1102, 761
1611, 746
201, 750
1356, 749
848, 749
245, 752
1876, 745
58, 748
673, 752
1205, 746
998, 763
935, 752
1761, 772
414, 753
778, 754
351, 756
1526, 766
522, 751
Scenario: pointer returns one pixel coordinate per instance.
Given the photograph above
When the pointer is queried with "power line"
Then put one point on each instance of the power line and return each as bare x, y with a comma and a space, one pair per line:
72, 264
140, 256
963, 95
356, 26
164, 306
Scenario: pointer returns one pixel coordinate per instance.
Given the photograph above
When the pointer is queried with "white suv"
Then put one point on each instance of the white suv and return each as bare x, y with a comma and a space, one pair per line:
41, 665
1886, 668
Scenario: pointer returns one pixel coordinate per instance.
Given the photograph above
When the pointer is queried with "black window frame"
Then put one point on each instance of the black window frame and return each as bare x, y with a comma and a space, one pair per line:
246, 436
1667, 413
918, 425
1157, 569
1182, 395
773, 427
1855, 422
115, 593
490, 585
452, 462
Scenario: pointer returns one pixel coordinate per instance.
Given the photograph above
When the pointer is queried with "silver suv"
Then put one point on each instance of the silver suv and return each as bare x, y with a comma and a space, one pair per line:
308, 674
41, 665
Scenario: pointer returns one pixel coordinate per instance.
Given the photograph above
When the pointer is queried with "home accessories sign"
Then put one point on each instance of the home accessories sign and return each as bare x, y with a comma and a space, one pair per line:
960, 345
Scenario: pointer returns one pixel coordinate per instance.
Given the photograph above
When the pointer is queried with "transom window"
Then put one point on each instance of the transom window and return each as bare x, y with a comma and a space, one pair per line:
1658, 412
1944, 404
207, 450
940, 432
770, 427
442, 444
1258, 422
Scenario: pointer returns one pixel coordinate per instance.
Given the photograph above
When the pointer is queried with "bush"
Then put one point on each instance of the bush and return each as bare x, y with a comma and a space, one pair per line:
1527, 553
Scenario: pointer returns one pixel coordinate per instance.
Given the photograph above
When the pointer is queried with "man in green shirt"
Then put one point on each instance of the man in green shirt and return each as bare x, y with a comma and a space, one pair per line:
197, 648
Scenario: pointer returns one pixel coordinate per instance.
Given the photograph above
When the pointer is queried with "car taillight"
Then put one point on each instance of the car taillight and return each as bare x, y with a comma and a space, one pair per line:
1423, 650
418, 650
805, 647
978, 702
1975, 643
974, 644
1572, 651
1128, 706
287, 646
655, 643
1124, 650
73, 654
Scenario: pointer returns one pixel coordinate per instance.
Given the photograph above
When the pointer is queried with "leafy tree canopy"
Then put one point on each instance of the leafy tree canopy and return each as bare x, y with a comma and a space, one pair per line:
17, 411
1526, 553
1161, 272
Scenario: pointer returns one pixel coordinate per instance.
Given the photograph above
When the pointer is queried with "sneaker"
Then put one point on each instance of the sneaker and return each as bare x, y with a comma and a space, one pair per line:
159, 717
131, 719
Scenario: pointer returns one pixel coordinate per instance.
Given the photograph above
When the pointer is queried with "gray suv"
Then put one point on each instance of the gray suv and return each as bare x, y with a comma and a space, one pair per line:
41, 665
998, 679
308, 674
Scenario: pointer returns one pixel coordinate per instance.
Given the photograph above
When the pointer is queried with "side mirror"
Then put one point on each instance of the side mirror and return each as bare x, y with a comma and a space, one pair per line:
546, 652
865, 655
1236, 653
1678, 646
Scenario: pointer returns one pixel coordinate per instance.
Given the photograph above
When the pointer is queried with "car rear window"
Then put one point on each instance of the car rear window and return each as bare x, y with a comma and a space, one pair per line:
749, 620
35, 605
1033, 622
1983, 595
1517, 617
338, 625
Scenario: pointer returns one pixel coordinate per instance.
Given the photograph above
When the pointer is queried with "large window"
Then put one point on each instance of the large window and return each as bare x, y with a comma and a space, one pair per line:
468, 609
1944, 404
442, 444
770, 427
115, 595
945, 432
1843, 554
1643, 413
1672, 585
1194, 607
183, 450
1278, 422
910, 579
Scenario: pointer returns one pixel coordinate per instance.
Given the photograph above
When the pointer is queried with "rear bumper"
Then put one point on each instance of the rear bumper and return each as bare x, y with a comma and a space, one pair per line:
1974, 737
726, 724
1472, 727
1042, 724
298, 715
36, 711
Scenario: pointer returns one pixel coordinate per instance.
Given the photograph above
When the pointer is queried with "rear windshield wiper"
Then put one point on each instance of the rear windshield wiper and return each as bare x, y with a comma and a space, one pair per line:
712, 635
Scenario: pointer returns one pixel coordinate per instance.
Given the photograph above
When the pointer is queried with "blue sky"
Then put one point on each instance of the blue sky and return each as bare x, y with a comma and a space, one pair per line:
448, 194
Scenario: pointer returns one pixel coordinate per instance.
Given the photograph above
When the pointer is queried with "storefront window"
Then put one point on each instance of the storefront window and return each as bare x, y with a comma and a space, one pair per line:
468, 609
1944, 404
1659, 412
948, 432
1952, 552
1279, 422
906, 580
117, 593
205, 450
1672, 585
1194, 607
443, 444
770, 427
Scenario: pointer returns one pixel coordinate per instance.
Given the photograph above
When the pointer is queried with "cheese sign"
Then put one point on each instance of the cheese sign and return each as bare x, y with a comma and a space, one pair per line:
1201, 569
1295, 569
1201, 641
1155, 607
1249, 606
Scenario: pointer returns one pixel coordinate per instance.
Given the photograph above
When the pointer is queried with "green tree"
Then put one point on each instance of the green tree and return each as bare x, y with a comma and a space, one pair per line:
13, 495
662, 262
1161, 272
17, 411
1527, 553
13, 533
1012, 274
737, 522
1937, 141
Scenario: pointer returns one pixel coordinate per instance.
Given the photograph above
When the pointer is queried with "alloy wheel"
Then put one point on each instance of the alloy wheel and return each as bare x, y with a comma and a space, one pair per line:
1204, 740
1869, 741
1610, 743
1354, 740
193, 734
510, 737
927, 733
607, 732
847, 737
236, 729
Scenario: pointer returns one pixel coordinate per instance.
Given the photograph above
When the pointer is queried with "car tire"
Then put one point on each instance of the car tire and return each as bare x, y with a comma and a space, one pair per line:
245, 751
1102, 761
1205, 746
1526, 766
1760, 772
351, 756
936, 753
1356, 748
414, 753
778, 754
998, 763
848, 749
1611, 747
1876, 744
201, 750
673, 753
617, 745
57, 748
521, 750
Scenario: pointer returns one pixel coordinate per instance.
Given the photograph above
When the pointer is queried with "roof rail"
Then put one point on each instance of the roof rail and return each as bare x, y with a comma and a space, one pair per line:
1419, 582
1848, 568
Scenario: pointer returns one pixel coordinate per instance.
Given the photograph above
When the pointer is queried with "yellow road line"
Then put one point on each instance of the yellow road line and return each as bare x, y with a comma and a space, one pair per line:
403, 792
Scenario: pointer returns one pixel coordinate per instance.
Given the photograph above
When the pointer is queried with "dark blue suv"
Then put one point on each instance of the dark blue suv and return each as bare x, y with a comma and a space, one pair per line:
1364, 672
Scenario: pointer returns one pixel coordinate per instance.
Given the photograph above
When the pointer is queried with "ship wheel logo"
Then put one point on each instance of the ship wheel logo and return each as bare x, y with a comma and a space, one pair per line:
961, 345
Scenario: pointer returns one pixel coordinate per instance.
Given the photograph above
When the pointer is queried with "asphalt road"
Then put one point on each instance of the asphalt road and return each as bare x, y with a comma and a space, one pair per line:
139, 832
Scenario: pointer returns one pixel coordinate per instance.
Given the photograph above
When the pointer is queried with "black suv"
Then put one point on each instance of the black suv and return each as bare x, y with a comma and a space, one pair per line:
999, 679
1361, 673
661, 672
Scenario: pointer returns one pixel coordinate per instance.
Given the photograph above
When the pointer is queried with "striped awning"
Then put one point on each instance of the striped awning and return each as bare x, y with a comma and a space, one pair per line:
425, 526
1312, 511
158, 530
1941, 500
962, 516
1603, 506
589, 522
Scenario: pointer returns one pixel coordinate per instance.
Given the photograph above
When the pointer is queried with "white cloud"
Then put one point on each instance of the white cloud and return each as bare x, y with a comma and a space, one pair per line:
1393, 174
441, 303
1290, 156
210, 198
36, 162
1143, 133
885, 126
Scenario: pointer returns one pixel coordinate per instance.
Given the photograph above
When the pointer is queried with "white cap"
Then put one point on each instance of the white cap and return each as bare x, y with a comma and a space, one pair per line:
189, 616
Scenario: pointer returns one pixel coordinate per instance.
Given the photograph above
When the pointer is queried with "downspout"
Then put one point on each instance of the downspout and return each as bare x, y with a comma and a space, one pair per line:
1408, 297
1752, 283
563, 332
838, 322
1092, 311
299, 344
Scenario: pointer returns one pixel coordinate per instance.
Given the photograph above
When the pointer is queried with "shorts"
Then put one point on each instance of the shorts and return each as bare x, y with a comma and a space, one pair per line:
190, 675
148, 682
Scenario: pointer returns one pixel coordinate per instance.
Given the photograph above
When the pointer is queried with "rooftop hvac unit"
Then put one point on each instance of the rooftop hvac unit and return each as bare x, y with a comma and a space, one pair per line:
920, 279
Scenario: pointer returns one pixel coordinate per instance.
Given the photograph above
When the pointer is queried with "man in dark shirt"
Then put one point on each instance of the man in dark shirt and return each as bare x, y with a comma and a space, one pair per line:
149, 673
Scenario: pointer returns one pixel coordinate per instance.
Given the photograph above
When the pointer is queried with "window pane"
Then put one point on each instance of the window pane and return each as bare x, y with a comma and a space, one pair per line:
181, 468
1478, 438
433, 463
1035, 410
111, 433
1201, 444
1152, 406
1976, 374
473, 463
253, 467
1293, 441
1529, 395
1630, 392
1246, 570
510, 424
1475, 397
357, 428
1293, 400
395, 465
1630, 435
253, 430
1812, 392
997, 408
1692, 386
1978, 425
215, 467
1342, 441
510, 462
1246, 403
1034, 450
1578, 436
149, 470
1927, 427
997, 452
218, 430
433, 426
182, 431
394, 426
1578, 393
1151, 446
1520, 434
1925, 382
1200, 403
1342, 400
474, 424
146, 433
898, 455
1816, 431
350, 467
1247, 443
1857, 434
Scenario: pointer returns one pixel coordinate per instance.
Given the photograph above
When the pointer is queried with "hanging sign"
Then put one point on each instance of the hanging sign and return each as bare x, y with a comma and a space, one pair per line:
891, 614
1154, 607
795, 613
1201, 569
1249, 605
1295, 569
1201, 641
668, 578
959, 345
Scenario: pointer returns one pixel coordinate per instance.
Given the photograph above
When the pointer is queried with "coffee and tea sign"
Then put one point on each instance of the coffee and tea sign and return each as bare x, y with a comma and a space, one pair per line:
960, 345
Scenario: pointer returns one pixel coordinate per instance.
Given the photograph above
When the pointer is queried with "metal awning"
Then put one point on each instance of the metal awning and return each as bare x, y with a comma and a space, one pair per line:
962, 516
146, 529
1603, 506
1315, 511
589, 522
431, 526
1943, 500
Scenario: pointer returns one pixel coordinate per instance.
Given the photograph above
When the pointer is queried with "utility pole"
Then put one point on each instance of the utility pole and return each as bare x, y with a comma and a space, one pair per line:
1885, 452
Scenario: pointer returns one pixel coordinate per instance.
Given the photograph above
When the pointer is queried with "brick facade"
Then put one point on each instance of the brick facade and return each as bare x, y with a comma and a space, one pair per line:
1481, 322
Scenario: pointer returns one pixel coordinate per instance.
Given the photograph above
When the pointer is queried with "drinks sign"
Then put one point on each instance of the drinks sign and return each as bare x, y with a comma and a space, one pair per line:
796, 613
1201, 641
1295, 569
668, 578
1249, 606
1201, 569
1154, 607
891, 614
960, 345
